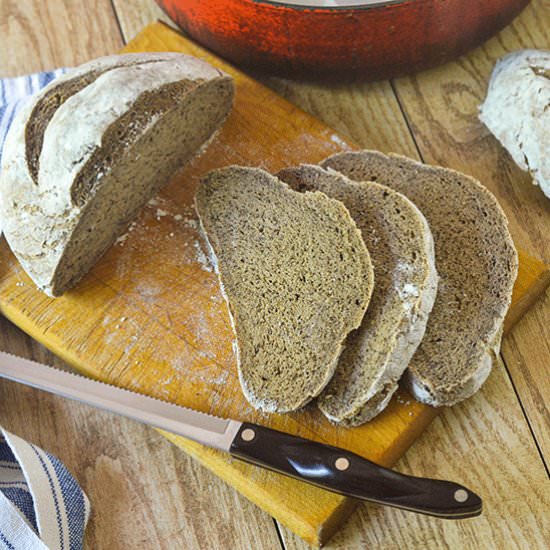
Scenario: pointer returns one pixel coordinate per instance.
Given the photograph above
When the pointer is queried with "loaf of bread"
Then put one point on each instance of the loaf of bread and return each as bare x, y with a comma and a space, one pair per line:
86, 153
402, 253
517, 111
297, 278
475, 260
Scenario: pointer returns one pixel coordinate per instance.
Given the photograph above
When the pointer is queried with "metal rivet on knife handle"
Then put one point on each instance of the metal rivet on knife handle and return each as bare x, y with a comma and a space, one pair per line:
248, 434
461, 495
342, 463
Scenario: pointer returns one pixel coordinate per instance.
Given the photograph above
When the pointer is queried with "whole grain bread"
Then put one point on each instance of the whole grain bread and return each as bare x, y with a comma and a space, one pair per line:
517, 111
87, 152
475, 260
402, 253
297, 278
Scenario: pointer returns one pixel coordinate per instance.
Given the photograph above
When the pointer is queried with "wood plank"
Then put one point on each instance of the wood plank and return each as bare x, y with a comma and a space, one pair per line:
349, 122
46, 35
367, 114
485, 443
134, 15
350, 110
534, 274
386, 528
135, 325
441, 108
145, 493
527, 353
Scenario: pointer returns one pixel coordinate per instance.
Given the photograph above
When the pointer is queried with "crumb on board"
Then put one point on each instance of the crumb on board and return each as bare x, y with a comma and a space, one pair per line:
202, 258
161, 213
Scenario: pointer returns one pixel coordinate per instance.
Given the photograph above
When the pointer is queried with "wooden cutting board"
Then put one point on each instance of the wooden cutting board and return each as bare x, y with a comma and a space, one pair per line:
150, 316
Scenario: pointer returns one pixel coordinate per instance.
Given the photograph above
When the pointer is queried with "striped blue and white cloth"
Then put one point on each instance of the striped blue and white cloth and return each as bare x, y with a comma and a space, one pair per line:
41, 505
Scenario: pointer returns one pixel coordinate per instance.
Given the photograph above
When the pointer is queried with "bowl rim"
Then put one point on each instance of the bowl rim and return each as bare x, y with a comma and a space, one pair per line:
328, 5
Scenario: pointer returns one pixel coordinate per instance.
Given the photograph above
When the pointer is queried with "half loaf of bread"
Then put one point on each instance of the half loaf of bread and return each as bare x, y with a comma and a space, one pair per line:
402, 253
476, 262
517, 111
297, 278
87, 152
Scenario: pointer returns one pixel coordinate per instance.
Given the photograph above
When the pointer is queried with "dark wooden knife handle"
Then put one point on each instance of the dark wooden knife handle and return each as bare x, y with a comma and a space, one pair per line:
346, 473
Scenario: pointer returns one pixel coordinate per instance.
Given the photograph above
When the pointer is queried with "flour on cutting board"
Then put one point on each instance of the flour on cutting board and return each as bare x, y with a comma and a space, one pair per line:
161, 213
186, 216
203, 258
122, 239
335, 138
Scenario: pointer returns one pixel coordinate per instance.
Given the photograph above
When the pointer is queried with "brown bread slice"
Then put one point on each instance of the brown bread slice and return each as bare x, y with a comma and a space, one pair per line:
108, 135
476, 262
296, 276
402, 253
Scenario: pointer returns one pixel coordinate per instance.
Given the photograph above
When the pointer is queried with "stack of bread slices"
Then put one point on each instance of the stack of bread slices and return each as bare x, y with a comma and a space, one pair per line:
343, 278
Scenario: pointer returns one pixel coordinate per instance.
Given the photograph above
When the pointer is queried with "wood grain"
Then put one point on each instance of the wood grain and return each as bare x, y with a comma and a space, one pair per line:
134, 15
367, 114
45, 35
145, 492
356, 112
527, 353
483, 442
530, 285
441, 109
166, 332
351, 111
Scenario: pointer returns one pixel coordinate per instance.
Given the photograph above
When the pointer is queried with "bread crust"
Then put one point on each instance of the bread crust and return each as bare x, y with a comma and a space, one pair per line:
517, 111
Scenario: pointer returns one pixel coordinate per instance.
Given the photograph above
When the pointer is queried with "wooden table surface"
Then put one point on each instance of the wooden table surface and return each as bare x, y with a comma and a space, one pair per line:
148, 494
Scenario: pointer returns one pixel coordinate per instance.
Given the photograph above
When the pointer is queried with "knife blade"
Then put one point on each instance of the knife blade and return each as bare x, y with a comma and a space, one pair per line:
316, 463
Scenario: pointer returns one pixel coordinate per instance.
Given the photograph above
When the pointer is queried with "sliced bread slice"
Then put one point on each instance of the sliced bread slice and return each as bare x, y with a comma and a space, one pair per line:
90, 149
476, 262
402, 253
297, 278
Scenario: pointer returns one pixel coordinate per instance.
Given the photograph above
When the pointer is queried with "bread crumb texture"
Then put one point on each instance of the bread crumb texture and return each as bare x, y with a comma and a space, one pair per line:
297, 277
401, 248
476, 262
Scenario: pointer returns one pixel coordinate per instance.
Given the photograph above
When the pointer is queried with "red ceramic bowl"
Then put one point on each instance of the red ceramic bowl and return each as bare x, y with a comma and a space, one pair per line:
341, 39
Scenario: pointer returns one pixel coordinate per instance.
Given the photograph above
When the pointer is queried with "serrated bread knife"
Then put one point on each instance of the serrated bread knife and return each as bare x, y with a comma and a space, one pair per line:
328, 467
